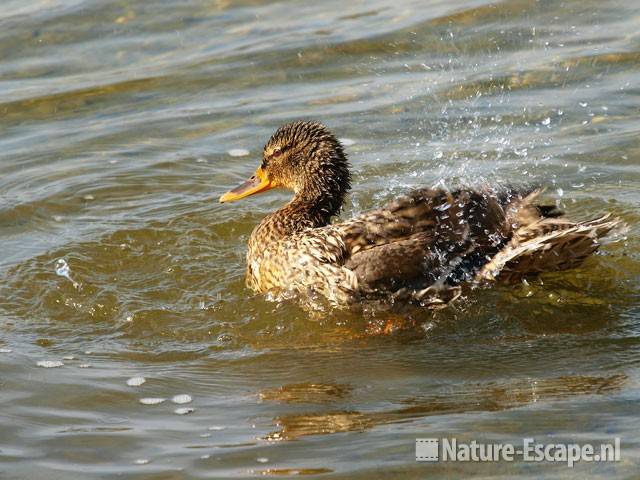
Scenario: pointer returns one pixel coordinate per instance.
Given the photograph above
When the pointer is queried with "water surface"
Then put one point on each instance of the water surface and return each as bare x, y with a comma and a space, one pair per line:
120, 125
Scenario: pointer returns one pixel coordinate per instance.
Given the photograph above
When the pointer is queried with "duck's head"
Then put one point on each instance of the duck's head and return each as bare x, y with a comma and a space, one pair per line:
304, 157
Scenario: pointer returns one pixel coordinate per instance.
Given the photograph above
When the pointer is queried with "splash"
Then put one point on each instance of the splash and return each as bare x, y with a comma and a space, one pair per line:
62, 269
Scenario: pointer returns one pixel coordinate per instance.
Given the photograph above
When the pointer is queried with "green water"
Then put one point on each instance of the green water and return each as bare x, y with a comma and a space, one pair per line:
118, 121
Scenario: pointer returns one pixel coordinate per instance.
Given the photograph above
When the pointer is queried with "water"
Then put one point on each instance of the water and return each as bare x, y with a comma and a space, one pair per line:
123, 122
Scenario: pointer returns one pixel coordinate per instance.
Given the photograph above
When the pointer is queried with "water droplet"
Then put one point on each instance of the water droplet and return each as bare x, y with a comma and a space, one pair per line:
546, 121
347, 142
84, 365
136, 381
89, 197
69, 357
217, 428
238, 152
560, 192
583, 104
50, 363
262, 459
184, 410
184, 398
205, 457
205, 435
5, 350
141, 461
151, 401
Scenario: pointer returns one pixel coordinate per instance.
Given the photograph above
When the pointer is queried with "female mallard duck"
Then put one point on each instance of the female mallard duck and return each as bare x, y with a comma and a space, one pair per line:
421, 247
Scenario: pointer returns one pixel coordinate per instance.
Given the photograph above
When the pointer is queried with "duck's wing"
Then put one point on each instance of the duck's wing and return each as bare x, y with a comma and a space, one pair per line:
418, 243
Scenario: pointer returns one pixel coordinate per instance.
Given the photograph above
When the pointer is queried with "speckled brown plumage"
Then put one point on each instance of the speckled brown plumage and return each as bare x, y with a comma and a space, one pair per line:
421, 247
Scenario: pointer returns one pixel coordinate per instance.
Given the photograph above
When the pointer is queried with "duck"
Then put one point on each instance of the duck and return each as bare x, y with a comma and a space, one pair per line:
423, 247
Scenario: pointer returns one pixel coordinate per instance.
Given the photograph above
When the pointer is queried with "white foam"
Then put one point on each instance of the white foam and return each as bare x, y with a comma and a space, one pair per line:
238, 152
184, 398
136, 381
184, 410
151, 400
50, 363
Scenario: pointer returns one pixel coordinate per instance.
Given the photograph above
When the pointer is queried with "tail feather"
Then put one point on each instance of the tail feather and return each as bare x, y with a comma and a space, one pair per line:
549, 244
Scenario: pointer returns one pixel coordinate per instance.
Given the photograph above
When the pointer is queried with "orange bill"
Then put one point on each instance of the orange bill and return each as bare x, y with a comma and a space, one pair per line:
256, 184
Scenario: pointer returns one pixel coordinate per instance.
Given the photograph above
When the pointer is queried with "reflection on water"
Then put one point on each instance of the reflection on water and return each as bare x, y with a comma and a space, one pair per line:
123, 122
476, 398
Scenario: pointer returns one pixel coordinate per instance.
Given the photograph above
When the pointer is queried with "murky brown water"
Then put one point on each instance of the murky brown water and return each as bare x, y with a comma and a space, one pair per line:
117, 120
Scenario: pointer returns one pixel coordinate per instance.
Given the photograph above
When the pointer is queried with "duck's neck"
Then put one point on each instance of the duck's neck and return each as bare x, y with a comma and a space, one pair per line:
301, 213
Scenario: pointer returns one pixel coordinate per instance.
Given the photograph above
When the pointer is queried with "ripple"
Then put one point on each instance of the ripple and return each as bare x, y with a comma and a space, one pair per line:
217, 428
294, 471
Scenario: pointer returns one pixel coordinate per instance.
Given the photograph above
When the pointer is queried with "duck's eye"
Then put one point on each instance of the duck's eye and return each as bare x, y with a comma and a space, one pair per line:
276, 153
